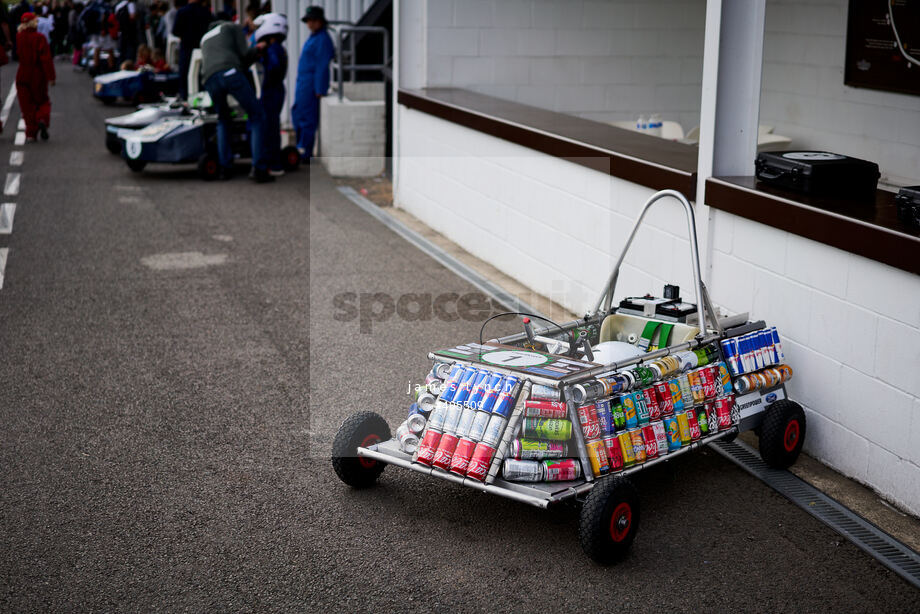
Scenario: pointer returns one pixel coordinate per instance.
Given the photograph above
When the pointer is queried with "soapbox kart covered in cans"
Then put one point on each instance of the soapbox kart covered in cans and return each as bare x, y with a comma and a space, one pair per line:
135, 85
748, 354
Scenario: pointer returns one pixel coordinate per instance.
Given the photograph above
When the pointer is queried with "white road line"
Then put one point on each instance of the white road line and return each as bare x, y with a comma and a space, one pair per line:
8, 104
20, 138
21, 125
16, 158
12, 184
7, 210
3, 252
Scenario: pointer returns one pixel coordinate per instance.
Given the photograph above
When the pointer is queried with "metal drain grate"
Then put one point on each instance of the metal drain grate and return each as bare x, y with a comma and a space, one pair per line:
883, 547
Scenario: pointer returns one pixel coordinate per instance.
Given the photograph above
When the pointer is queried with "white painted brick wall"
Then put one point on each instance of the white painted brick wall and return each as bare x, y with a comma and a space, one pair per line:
850, 326
804, 96
616, 58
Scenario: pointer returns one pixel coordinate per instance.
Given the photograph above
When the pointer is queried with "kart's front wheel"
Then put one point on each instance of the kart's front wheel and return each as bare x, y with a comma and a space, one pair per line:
290, 156
208, 167
136, 165
359, 431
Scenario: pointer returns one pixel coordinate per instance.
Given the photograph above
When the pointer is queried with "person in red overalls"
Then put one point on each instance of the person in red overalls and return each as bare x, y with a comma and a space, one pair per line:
36, 71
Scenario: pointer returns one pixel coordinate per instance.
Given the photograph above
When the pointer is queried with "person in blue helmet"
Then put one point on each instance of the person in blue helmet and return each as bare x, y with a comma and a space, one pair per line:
312, 80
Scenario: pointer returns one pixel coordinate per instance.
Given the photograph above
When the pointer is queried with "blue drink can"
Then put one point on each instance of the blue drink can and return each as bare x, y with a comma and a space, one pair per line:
505, 402
641, 407
479, 389
452, 383
467, 380
493, 388
672, 430
629, 410
604, 416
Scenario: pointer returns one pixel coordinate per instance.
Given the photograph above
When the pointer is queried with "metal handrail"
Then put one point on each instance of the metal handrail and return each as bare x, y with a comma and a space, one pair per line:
606, 298
353, 67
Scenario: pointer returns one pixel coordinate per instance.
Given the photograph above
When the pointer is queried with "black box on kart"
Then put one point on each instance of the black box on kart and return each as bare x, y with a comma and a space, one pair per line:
819, 173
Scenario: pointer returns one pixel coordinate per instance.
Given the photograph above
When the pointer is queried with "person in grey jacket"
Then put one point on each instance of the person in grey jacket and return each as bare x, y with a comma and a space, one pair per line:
225, 59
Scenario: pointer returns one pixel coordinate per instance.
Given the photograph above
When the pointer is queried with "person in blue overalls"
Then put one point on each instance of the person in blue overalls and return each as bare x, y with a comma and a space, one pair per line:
312, 80
271, 29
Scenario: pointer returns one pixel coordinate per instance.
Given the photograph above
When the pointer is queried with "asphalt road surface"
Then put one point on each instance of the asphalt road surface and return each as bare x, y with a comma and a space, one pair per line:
174, 362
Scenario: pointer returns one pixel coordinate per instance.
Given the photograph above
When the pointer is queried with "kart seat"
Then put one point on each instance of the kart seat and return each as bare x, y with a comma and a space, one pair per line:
622, 326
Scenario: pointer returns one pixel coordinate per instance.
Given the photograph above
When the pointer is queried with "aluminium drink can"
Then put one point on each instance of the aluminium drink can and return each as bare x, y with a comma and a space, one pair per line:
590, 426
426, 402
547, 428
712, 384
504, 404
597, 456
712, 418
672, 432
651, 441
480, 461
445, 451
452, 383
537, 449
416, 423
493, 389
428, 447
614, 453
661, 437
626, 448
641, 407
467, 381
686, 392
665, 402
545, 393
466, 422
562, 470
677, 400
438, 416
460, 461
631, 420
408, 441
452, 419
442, 370
604, 416
544, 409
433, 385
523, 470
696, 387
725, 379
684, 427
478, 427
494, 430
702, 418
616, 411
479, 389
638, 445
693, 424
651, 401
723, 408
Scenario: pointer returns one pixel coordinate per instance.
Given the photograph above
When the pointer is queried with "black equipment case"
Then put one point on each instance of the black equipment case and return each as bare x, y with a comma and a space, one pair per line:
819, 173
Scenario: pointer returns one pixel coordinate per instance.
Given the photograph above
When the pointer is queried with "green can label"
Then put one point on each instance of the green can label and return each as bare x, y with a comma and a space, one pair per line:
553, 429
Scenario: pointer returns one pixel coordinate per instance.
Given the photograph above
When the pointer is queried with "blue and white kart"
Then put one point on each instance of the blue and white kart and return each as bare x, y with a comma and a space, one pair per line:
135, 85
136, 120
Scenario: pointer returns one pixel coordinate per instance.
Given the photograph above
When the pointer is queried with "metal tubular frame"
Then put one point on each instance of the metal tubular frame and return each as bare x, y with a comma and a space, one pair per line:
352, 67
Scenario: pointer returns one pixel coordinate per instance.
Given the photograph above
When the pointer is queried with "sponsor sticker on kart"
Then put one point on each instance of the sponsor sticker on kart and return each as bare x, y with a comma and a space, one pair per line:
133, 148
757, 401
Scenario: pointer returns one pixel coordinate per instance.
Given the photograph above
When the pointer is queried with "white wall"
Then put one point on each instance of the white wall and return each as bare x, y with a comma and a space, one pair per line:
805, 98
851, 332
605, 59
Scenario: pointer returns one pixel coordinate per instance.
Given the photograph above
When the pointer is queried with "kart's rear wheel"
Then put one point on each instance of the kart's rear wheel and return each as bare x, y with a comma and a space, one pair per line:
360, 430
609, 520
208, 167
112, 143
782, 434
136, 165
291, 158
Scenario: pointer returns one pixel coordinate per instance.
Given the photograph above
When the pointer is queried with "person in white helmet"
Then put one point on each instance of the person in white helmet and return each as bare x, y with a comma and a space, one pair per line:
271, 30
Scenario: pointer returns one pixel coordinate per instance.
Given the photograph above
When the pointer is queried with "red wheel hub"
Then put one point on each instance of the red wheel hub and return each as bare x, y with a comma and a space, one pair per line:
620, 522
791, 436
370, 440
293, 159
211, 167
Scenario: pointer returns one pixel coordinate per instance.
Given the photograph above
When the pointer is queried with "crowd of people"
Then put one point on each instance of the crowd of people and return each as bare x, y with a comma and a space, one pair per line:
97, 32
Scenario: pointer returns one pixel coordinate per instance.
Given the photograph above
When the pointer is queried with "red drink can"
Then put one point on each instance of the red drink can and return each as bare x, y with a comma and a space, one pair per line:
428, 447
711, 381
544, 409
590, 425
694, 424
445, 451
661, 437
614, 453
724, 411
651, 401
651, 441
460, 461
480, 462
665, 402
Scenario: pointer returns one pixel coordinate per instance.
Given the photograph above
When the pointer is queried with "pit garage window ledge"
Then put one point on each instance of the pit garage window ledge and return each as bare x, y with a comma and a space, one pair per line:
859, 228
642, 159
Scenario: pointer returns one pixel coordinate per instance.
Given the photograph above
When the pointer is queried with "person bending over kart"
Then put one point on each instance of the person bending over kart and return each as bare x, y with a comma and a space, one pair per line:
36, 71
225, 58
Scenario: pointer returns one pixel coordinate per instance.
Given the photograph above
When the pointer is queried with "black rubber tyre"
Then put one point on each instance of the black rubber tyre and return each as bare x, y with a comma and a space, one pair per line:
208, 167
362, 429
112, 143
782, 434
107, 100
609, 520
290, 157
136, 165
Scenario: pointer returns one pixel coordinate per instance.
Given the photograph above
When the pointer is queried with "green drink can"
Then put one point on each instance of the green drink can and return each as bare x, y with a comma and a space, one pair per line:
619, 416
552, 429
